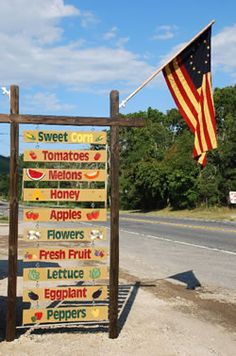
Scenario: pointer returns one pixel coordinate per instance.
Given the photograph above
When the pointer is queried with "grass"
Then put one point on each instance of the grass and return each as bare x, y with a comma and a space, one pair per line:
4, 219
214, 213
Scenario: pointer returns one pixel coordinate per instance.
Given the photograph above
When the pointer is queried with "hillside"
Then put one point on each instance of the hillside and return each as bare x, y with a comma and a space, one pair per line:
4, 164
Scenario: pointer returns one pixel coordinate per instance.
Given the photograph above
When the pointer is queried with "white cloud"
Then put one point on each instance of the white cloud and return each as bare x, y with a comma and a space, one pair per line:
112, 33
32, 54
88, 19
164, 32
224, 50
36, 20
46, 102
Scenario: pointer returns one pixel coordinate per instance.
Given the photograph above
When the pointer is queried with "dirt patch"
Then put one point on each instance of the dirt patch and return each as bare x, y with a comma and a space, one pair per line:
192, 302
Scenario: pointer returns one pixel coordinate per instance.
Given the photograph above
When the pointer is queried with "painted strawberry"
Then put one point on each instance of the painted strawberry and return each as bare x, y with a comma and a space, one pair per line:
97, 156
89, 216
95, 214
28, 214
33, 155
35, 216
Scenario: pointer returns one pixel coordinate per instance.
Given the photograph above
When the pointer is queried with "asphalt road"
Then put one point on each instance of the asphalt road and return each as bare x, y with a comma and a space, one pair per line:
186, 250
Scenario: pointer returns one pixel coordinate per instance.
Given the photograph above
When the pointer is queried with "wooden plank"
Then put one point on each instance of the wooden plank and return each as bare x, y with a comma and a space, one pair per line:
77, 137
73, 293
64, 254
57, 214
114, 222
64, 194
53, 234
13, 219
69, 314
76, 156
64, 175
58, 274
73, 120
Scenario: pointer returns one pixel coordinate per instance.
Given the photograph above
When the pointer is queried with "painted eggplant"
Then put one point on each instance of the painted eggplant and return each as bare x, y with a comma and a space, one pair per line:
97, 293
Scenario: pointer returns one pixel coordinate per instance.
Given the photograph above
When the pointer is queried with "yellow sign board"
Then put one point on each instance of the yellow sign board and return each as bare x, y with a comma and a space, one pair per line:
57, 174
87, 293
84, 137
56, 235
62, 315
55, 274
76, 156
53, 254
57, 214
53, 194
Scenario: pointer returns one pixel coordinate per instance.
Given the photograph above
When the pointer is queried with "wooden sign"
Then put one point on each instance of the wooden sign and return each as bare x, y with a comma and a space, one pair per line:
53, 194
74, 293
50, 254
55, 274
57, 214
84, 137
87, 156
54, 235
57, 174
62, 315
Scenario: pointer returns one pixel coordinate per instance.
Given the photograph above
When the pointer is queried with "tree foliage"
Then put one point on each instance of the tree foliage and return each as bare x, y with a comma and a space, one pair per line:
157, 169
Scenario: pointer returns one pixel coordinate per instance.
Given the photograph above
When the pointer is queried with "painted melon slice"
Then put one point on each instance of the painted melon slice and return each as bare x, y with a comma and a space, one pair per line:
92, 175
34, 174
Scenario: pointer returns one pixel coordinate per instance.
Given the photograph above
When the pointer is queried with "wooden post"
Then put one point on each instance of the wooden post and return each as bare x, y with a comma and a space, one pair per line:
114, 220
13, 219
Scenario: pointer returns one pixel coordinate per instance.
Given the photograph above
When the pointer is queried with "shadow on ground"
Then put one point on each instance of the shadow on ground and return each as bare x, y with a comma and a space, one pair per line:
188, 278
127, 295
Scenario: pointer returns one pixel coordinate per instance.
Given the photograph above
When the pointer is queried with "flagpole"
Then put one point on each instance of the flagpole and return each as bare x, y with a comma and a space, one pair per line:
123, 103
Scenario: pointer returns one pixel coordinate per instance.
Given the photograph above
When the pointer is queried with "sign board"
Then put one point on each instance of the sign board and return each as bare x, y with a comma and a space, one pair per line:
57, 174
79, 137
78, 156
50, 254
232, 197
73, 293
55, 274
114, 122
62, 315
70, 234
57, 214
53, 194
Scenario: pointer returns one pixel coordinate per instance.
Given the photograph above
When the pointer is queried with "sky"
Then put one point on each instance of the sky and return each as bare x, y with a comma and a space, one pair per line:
67, 55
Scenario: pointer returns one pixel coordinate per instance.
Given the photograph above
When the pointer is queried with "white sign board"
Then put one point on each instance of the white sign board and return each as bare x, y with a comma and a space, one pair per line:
232, 197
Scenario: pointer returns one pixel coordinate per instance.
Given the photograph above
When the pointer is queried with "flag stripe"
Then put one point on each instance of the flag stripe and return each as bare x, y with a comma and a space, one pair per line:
191, 93
185, 97
202, 123
205, 114
184, 110
211, 113
189, 81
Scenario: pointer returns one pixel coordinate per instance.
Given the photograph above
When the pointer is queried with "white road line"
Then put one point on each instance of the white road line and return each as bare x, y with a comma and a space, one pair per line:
182, 243
175, 241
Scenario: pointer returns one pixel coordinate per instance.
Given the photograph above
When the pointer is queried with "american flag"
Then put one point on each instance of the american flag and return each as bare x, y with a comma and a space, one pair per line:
188, 77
